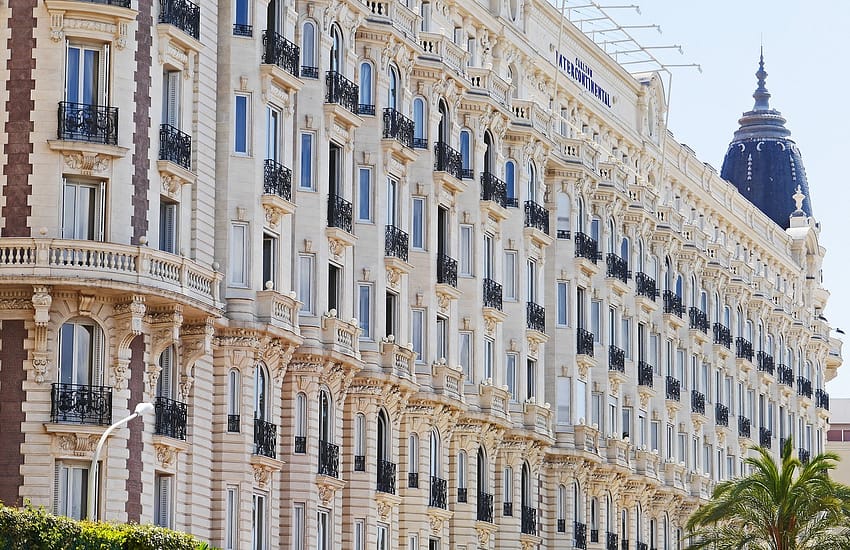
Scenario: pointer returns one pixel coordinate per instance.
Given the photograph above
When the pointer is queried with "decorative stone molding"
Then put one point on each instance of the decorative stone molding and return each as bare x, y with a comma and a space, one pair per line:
328, 487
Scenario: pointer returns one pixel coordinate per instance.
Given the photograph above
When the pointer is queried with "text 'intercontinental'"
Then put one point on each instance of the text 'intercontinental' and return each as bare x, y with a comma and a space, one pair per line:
581, 73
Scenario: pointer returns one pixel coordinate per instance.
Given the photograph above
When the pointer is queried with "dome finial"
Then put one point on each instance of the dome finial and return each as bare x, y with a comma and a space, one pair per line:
761, 95
798, 201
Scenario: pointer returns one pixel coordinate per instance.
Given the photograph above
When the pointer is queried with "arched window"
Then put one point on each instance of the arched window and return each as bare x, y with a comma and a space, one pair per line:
261, 393
301, 423
508, 490
325, 417
624, 250
581, 214
641, 261
481, 471
563, 225
233, 401
652, 533
488, 152
531, 189
384, 437
359, 442
461, 476
420, 126
435, 452
81, 353
413, 460
525, 494
466, 153
610, 524
612, 236
679, 286
665, 532
727, 316
510, 179
445, 123
166, 385
594, 514
694, 290
578, 502
749, 328
308, 49
624, 524
392, 90
337, 50
367, 102
562, 508
668, 274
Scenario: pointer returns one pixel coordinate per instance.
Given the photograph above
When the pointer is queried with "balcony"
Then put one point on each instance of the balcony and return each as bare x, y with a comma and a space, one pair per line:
277, 180
673, 304
529, 521
447, 160
611, 541
367, 109
535, 316
617, 268
645, 374
507, 508
580, 533
616, 359
341, 91
309, 72
412, 480
764, 362
721, 415
329, 459
804, 455
698, 319
170, 418
175, 146
242, 29
386, 477
584, 342
117, 3
697, 402
485, 507
359, 463
765, 437
586, 247
398, 127
641, 546
594, 535
722, 335
461, 494
234, 423
279, 51
446, 270
786, 375
395, 243
492, 294
624, 544
265, 438
437, 497
300, 445
563, 234
91, 123
743, 426
645, 286
743, 349
804, 387
493, 189
562, 526
339, 213
81, 404
420, 143
673, 389
822, 400
183, 14
536, 217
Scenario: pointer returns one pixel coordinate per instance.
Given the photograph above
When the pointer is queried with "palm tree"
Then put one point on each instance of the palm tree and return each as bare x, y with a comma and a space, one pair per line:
791, 506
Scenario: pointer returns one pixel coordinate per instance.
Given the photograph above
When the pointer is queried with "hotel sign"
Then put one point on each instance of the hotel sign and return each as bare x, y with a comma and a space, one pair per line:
583, 75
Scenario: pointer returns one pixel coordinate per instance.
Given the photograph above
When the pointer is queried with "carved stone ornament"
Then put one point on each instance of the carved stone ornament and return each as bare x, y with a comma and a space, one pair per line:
86, 163
436, 523
75, 444
336, 247
384, 510
483, 536
262, 475
165, 455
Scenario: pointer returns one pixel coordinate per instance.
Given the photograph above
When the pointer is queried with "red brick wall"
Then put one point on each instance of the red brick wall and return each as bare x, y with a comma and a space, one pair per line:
13, 333
142, 121
136, 385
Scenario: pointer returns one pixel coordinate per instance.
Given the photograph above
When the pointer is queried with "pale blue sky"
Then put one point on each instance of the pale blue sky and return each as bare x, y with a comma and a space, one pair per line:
805, 49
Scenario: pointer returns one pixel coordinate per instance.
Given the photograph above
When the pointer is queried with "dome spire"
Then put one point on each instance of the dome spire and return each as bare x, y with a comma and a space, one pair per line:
761, 95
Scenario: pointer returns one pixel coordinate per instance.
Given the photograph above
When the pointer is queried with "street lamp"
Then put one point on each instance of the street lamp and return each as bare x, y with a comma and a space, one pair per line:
91, 503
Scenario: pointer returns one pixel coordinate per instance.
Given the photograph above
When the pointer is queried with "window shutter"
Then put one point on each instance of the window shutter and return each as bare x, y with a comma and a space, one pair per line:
164, 501
59, 483
97, 357
163, 387
172, 98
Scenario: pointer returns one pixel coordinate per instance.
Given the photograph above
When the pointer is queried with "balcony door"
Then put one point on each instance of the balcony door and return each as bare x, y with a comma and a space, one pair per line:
443, 128
166, 385
488, 153
392, 91
383, 442
83, 210
80, 354
261, 401
325, 417
273, 117
171, 98
86, 73
442, 231
273, 17
392, 202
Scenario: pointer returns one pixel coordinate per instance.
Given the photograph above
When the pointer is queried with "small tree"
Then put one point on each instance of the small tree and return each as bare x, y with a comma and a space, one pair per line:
790, 506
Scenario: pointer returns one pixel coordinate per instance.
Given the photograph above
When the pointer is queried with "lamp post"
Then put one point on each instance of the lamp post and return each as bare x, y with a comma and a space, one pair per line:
91, 503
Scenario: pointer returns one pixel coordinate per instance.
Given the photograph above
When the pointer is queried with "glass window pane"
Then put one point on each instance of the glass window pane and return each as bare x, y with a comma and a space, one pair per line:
241, 130
307, 161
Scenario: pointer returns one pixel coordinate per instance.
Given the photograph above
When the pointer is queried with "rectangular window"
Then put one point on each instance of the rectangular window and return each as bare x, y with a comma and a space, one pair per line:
162, 500
334, 286
489, 346
627, 422
413, 542
531, 281
510, 374
653, 354
580, 408
683, 448
465, 354
417, 333
596, 409
231, 519
273, 125
562, 396
670, 442
306, 176
305, 282
71, 490
359, 534
530, 378
171, 98
563, 303
488, 259
364, 310
168, 226
596, 320
323, 530
391, 314
612, 416
417, 230
383, 537
83, 210
258, 523
627, 337
442, 335
241, 18
655, 435
364, 194
269, 260
241, 122
510, 284
466, 250
239, 254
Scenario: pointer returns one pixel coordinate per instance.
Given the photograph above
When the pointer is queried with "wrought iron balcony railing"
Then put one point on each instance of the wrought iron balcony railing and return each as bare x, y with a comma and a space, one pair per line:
616, 359
279, 51
804, 455
300, 444
611, 541
359, 463
309, 72
265, 438
529, 520
673, 388
584, 342
386, 477
92, 123
765, 437
242, 29
341, 91
641, 546
462, 494
117, 3
617, 267
586, 247
183, 14
765, 362
507, 508
234, 423
511, 202
580, 533
624, 544
721, 414
328, 459
822, 399
494, 189
804, 386
447, 160
395, 243
645, 374
446, 270
698, 319
563, 234
397, 126
786, 375
412, 480
367, 109
535, 316
171, 418
439, 489
485, 507
467, 173
743, 426
492, 294
536, 216
81, 404
420, 143
339, 213
175, 146
697, 402
562, 526
743, 349
722, 335
277, 179
645, 286
673, 304
594, 535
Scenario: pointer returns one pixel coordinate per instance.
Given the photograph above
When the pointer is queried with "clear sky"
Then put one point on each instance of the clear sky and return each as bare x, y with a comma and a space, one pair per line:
806, 51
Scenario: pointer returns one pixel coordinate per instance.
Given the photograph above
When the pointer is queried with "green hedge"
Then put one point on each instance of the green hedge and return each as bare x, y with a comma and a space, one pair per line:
34, 529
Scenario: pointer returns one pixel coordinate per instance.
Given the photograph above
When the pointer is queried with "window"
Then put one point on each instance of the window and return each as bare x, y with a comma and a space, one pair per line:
511, 374
508, 480
231, 519
306, 179
425, 15
273, 126
80, 354
364, 194
562, 393
239, 254
334, 286
461, 475
489, 346
465, 354
166, 383
466, 153
359, 534
261, 393
627, 337
270, 247
241, 122
367, 103
359, 442
308, 48
580, 408
417, 329
596, 320
563, 220
510, 282
364, 308
162, 500
298, 525
242, 21
392, 90
233, 400
413, 542
531, 190
87, 72
436, 454
530, 378
470, 47
420, 128
323, 530
563, 304
70, 490
305, 282
258, 523
392, 202
171, 98
418, 224
168, 227
488, 258
466, 250
510, 179
391, 314
336, 53
442, 335
383, 537
531, 280
83, 210
412, 460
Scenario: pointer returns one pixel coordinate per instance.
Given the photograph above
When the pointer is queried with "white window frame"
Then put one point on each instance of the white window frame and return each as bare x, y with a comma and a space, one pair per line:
419, 333
511, 374
231, 518
70, 228
259, 519
71, 480
466, 264
466, 355
306, 283
562, 318
418, 223
307, 178
164, 500
240, 253
510, 275
245, 149
169, 217
365, 312
489, 358
364, 190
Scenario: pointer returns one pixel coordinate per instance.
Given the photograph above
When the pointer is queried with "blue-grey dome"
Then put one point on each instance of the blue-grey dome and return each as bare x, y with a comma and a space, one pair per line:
763, 162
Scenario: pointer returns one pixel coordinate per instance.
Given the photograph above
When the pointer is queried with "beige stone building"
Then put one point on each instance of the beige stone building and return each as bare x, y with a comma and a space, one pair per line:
396, 274
838, 438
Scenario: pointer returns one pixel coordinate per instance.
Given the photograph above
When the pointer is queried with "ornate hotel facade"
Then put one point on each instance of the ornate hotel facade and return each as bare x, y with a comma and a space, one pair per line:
566, 330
